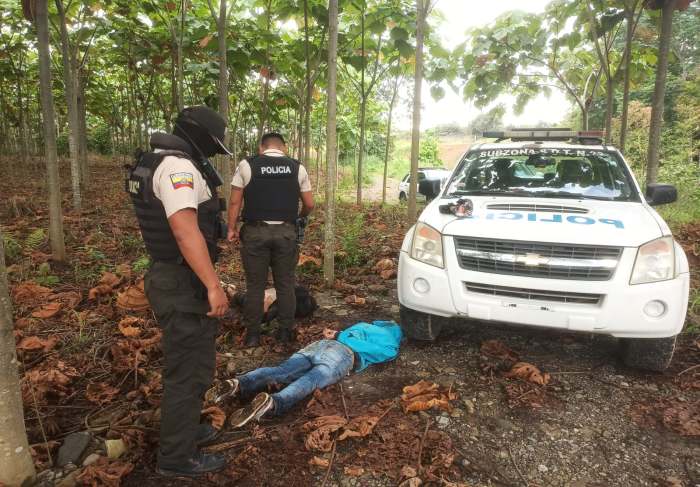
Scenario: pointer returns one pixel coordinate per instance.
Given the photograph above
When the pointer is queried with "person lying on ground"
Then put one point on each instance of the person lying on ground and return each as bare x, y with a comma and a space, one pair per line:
318, 365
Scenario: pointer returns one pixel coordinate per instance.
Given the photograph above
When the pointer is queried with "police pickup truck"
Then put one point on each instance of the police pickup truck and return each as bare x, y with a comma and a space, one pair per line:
548, 228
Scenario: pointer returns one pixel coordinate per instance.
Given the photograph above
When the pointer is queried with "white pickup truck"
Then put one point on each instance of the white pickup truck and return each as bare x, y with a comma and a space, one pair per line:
548, 228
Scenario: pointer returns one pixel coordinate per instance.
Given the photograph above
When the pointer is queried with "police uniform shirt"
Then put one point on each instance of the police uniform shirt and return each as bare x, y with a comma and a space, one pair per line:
178, 185
243, 174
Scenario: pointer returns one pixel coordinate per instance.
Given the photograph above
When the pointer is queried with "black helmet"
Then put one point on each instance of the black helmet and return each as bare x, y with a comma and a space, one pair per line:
203, 128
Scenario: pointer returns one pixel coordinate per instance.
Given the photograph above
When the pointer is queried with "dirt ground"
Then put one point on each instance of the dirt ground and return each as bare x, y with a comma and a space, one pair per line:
91, 363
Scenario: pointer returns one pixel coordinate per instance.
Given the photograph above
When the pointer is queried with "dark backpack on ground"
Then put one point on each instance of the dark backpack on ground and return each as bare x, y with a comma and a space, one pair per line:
306, 304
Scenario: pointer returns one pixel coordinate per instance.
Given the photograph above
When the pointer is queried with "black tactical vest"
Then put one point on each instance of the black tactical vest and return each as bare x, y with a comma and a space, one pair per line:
273, 191
155, 229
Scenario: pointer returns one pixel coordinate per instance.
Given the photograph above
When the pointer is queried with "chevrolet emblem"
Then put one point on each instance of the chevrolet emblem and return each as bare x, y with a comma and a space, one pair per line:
532, 260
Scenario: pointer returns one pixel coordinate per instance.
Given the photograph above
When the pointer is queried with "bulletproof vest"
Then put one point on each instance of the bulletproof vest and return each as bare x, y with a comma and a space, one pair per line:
273, 191
155, 229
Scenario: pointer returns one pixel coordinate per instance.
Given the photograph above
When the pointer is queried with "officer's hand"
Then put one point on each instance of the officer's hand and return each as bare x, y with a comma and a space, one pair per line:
218, 302
233, 234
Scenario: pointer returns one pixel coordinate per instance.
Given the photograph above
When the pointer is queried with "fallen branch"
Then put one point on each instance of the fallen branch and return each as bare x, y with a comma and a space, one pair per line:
420, 446
330, 463
517, 469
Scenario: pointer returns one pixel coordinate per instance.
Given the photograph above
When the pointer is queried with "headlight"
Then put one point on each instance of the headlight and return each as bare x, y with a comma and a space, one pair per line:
427, 245
656, 261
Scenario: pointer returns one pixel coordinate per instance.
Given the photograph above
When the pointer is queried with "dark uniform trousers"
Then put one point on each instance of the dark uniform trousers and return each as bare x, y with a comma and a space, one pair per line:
264, 247
179, 300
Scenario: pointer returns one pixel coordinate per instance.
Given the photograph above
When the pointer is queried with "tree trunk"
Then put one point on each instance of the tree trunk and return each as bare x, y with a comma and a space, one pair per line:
609, 106
224, 162
82, 135
626, 83
361, 152
421, 7
16, 465
657, 103
309, 88
58, 248
69, 81
363, 109
388, 137
180, 72
331, 145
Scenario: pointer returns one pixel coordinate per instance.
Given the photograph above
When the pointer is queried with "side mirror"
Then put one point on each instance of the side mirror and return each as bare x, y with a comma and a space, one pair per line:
661, 194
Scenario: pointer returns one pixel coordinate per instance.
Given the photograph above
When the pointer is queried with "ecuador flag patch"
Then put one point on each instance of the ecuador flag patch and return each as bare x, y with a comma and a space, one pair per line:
182, 180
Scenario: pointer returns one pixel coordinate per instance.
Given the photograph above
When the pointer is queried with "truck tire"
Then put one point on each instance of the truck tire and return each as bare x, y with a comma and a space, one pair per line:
402, 196
420, 326
648, 353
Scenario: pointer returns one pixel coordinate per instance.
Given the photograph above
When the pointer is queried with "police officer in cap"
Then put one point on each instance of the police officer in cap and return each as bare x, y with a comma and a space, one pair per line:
174, 191
269, 187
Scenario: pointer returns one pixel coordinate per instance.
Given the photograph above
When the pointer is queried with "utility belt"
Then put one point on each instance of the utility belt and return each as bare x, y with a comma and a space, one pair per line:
260, 223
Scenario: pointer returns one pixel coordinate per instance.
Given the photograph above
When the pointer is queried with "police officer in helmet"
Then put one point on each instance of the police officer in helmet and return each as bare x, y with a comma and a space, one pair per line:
174, 191
269, 186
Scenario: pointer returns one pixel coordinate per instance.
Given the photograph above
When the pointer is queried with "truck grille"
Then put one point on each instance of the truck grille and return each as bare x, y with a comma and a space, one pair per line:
537, 259
534, 294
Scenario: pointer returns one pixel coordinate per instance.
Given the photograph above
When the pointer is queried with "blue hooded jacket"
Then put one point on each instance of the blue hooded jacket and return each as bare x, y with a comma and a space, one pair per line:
373, 343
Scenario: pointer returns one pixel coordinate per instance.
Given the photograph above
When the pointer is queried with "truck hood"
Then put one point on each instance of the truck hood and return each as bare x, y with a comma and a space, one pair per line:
586, 222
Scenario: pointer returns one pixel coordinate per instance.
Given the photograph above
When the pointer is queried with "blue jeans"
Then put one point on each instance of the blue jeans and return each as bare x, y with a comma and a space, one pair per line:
316, 366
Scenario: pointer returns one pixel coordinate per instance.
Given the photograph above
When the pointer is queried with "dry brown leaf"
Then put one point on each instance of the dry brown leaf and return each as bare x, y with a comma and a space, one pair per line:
683, 418
320, 431
269, 298
353, 471
417, 389
304, 259
28, 293
204, 41
34, 343
359, 427
408, 472
388, 274
496, 348
69, 299
100, 393
528, 372
426, 395
133, 298
355, 300
216, 415
47, 311
319, 462
127, 326
105, 473
384, 265
412, 482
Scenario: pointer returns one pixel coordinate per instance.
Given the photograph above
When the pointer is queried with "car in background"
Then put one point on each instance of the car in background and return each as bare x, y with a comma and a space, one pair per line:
548, 228
430, 183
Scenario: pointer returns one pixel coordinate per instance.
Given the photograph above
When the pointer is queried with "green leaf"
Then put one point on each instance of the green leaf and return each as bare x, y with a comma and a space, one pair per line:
398, 33
437, 92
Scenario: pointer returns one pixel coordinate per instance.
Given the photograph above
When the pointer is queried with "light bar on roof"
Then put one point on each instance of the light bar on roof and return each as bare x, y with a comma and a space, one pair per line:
543, 134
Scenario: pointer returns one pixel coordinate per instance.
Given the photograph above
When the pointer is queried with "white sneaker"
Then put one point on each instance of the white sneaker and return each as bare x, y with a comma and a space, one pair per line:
261, 404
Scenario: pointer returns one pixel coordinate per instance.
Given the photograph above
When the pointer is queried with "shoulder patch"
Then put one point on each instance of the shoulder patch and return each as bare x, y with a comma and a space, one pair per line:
182, 180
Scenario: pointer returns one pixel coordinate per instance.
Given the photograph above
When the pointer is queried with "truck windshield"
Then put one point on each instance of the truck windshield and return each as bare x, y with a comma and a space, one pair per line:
557, 173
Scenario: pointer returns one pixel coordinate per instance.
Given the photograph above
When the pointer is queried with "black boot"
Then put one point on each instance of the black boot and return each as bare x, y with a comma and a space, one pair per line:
206, 434
252, 340
284, 335
198, 465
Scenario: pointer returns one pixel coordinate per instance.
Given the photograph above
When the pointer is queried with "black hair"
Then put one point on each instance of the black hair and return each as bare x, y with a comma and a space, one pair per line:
270, 136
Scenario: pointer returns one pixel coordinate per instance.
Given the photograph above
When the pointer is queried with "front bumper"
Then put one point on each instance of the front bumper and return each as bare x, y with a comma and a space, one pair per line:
620, 311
